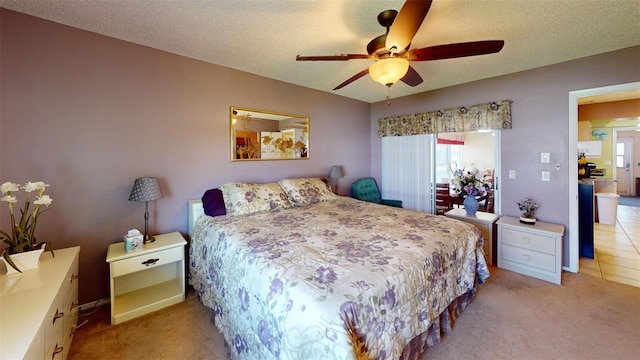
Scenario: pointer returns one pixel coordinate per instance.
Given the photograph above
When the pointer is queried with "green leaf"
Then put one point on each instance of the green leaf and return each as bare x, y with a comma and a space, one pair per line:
7, 258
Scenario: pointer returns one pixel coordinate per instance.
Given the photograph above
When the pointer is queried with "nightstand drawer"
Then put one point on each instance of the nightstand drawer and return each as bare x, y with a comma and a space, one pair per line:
146, 261
530, 241
529, 258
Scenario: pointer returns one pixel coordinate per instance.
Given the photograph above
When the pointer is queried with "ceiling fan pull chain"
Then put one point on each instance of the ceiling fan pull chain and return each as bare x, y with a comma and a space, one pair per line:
388, 95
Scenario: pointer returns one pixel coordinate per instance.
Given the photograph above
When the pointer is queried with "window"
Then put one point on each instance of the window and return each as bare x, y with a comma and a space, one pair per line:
446, 156
620, 155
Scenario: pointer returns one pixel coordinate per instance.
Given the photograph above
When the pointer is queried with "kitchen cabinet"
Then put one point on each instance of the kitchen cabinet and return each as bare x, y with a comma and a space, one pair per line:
584, 130
591, 149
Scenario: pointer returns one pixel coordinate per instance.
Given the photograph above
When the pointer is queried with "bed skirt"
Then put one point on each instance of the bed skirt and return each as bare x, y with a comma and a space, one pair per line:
419, 344
444, 324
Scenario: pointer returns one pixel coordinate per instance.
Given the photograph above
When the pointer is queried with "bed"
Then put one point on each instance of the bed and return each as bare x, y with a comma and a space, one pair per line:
292, 271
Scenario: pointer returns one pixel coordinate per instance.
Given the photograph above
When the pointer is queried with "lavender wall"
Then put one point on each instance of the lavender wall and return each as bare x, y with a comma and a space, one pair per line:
88, 114
540, 113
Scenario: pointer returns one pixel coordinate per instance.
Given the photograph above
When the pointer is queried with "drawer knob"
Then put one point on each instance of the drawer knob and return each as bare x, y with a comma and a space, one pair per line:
58, 315
150, 262
57, 351
526, 257
526, 240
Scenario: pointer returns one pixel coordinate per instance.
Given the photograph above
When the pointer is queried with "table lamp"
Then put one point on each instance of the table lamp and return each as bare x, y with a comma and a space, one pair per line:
334, 174
146, 189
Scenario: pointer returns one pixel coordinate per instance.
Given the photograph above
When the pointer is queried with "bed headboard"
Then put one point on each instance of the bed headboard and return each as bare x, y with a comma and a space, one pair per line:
195, 210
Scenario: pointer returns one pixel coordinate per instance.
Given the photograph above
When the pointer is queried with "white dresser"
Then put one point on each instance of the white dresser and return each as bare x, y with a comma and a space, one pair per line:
39, 308
534, 250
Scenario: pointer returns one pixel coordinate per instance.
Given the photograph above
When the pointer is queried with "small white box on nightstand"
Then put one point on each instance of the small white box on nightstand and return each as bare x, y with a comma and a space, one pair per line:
133, 240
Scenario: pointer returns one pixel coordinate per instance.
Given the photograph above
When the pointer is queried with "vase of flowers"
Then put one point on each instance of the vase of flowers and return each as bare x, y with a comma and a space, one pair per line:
468, 185
21, 239
528, 208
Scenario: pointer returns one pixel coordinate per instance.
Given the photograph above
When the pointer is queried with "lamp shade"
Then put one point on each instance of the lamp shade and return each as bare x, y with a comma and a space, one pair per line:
335, 172
145, 189
388, 71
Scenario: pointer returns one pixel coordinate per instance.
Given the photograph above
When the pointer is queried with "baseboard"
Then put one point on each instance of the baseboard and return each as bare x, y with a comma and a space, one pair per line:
94, 304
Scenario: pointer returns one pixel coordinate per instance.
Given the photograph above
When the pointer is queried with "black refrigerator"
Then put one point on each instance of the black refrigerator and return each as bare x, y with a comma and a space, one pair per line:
585, 219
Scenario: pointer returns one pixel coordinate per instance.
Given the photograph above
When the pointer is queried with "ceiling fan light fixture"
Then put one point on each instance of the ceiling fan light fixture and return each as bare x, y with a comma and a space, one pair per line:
388, 71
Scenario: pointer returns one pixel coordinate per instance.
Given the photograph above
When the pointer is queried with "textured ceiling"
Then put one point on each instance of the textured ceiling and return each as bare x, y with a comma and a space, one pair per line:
264, 37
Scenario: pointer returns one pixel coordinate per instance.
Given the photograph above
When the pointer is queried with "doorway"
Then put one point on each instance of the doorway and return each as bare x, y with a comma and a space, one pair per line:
623, 161
466, 151
574, 96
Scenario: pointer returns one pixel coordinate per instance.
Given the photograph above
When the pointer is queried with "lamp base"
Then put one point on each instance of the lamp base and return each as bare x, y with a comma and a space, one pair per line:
149, 239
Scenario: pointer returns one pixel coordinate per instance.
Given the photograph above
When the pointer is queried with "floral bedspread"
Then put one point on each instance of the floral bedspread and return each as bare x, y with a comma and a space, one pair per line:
340, 279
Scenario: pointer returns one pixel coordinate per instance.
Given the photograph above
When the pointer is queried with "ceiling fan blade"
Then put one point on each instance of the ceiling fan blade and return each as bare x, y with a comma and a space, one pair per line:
352, 79
450, 51
412, 78
406, 24
341, 57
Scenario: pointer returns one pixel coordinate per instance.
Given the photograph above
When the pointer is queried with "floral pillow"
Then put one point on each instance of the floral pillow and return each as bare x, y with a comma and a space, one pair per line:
248, 198
305, 191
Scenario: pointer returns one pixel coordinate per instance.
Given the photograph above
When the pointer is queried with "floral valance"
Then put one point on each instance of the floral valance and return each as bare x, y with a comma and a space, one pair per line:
489, 116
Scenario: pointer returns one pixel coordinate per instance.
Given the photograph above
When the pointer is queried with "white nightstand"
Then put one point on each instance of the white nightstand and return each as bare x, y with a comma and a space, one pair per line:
486, 222
146, 280
534, 250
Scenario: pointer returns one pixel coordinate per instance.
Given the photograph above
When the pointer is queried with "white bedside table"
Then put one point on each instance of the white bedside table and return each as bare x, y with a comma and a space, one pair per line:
484, 221
534, 250
146, 280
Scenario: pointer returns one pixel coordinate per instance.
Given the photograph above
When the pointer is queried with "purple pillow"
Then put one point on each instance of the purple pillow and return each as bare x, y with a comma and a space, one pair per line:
213, 203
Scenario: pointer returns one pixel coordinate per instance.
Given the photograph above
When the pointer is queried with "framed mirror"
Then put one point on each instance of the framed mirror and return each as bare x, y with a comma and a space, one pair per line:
267, 135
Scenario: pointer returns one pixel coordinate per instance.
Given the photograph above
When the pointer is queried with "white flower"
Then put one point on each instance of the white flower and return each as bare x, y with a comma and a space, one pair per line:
43, 200
21, 238
9, 198
34, 186
9, 187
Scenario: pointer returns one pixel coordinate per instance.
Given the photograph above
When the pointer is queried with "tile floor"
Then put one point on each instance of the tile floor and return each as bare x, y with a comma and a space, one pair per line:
617, 249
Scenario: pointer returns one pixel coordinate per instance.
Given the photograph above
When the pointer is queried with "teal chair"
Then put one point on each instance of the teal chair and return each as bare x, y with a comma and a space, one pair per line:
366, 189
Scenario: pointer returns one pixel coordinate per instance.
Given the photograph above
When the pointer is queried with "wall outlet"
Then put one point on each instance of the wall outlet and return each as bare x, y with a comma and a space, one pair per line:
544, 158
545, 176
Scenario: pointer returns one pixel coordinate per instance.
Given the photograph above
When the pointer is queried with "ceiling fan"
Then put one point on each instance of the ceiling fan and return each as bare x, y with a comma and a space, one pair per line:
391, 50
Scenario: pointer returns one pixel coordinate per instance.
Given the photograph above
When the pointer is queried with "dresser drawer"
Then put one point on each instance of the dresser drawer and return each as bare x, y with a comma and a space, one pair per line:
529, 258
55, 320
146, 261
530, 241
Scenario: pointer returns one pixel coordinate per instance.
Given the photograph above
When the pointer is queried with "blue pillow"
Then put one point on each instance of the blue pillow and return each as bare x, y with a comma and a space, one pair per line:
213, 202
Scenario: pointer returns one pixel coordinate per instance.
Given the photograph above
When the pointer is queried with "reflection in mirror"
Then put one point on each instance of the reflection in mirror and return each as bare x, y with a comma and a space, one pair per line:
267, 135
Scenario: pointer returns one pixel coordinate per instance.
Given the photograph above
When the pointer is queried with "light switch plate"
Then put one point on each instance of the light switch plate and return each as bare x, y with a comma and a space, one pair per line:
545, 176
544, 158
512, 174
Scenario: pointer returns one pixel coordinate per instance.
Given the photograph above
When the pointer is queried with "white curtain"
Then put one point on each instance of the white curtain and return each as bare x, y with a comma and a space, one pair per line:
407, 170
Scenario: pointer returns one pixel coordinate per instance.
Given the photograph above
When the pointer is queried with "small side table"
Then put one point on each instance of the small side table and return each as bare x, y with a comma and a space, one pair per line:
486, 222
533, 250
146, 280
